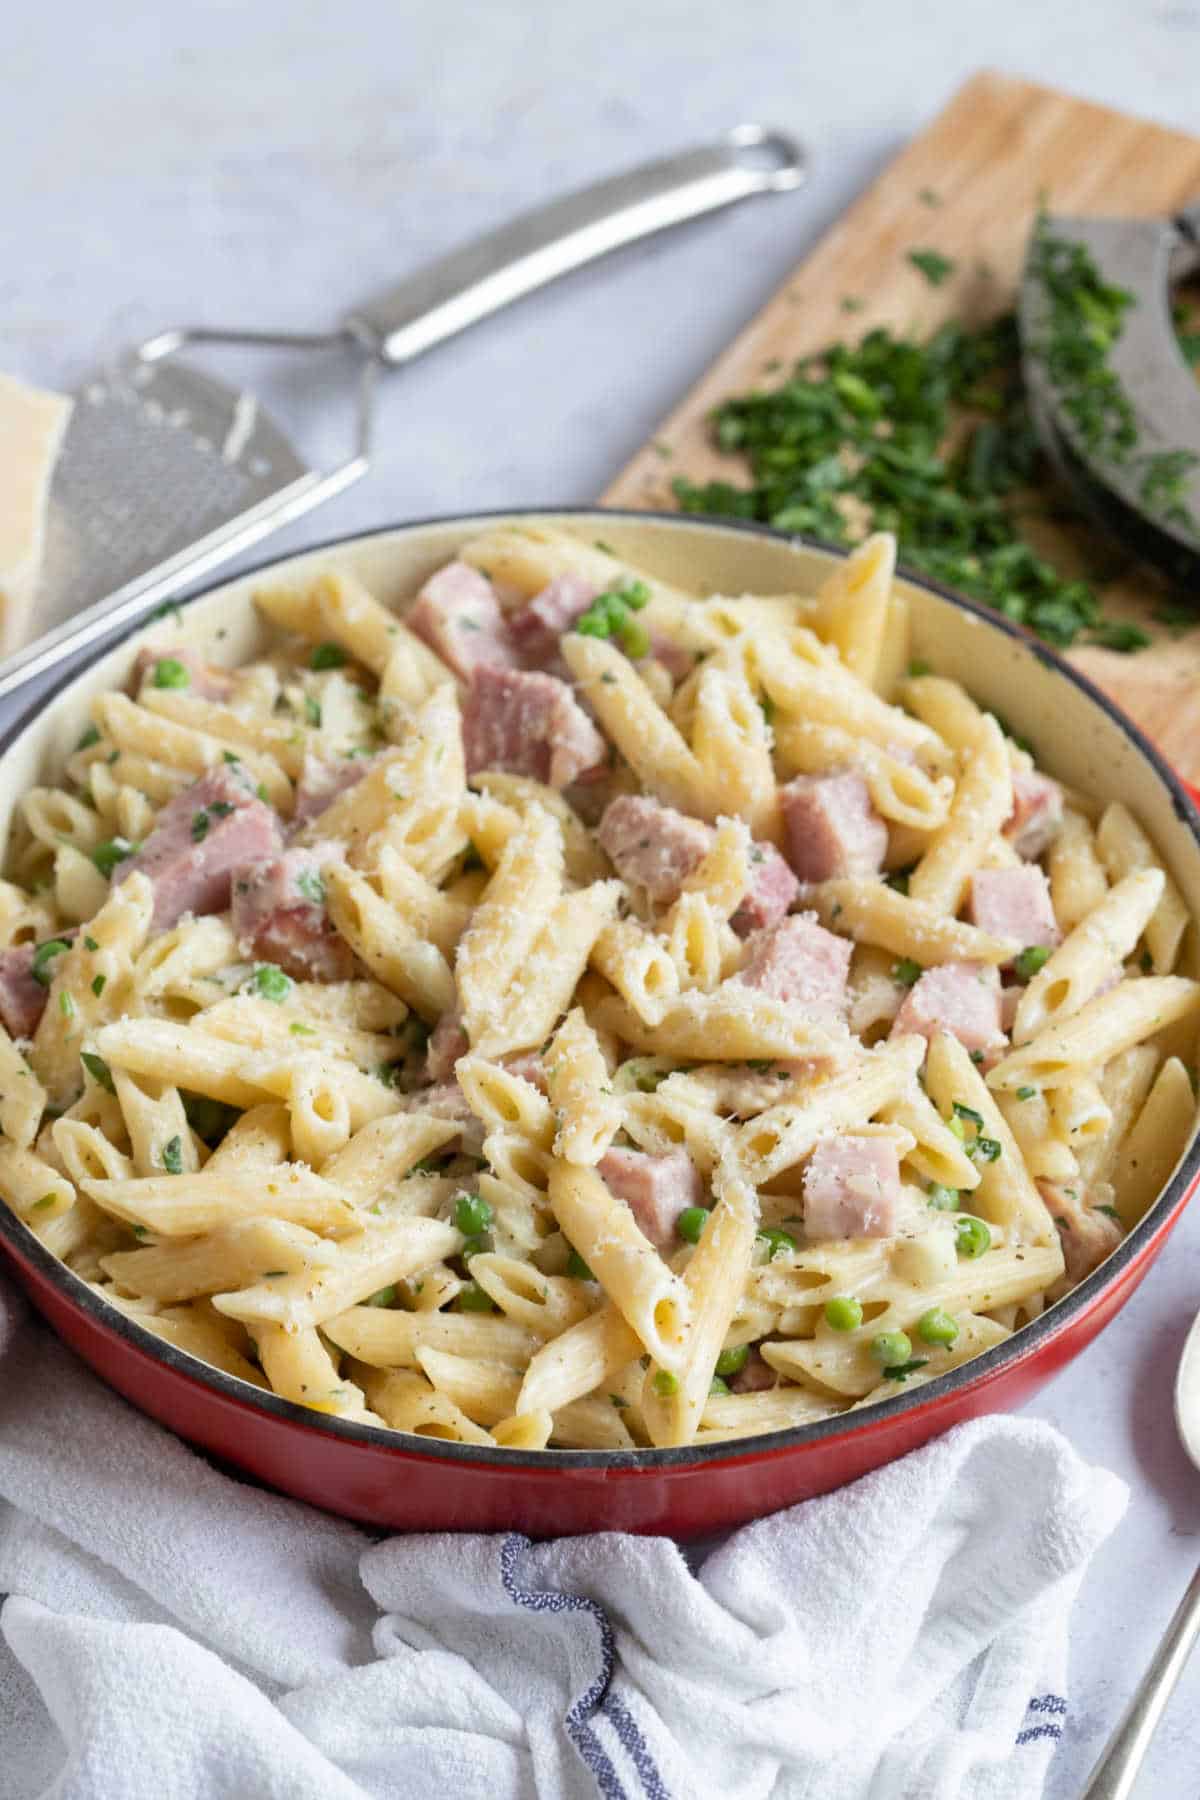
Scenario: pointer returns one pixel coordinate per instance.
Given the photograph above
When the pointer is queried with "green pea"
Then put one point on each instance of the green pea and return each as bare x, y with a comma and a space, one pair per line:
691, 1222
472, 1215
891, 1348
635, 594
937, 1326
776, 1241
270, 983
717, 1386
471, 1298
734, 1360
577, 1267
635, 639
666, 1384
942, 1199
476, 1245
971, 1236
1031, 959
386, 1296
169, 672
906, 973
843, 1313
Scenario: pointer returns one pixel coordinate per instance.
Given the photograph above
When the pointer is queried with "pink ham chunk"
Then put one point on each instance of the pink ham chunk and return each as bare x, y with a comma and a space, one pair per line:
322, 782
535, 629
529, 1066
652, 846
798, 961
447, 1042
773, 888
851, 1188
1087, 1234
205, 681
22, 997
528, 724
1014, 903
656, 1188
202, 835
961, 998
1037, 813
279, 916
458, 616
656, 848
755, 1378
831, 828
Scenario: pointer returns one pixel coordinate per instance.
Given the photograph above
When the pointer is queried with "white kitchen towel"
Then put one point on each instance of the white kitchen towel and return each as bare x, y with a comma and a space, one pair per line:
171, 1631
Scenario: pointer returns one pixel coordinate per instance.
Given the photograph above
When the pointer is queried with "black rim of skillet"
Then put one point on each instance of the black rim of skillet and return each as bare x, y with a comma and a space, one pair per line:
1014, 1349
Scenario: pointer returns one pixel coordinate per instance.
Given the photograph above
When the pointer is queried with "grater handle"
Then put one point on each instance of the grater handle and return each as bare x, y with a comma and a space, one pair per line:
470, 283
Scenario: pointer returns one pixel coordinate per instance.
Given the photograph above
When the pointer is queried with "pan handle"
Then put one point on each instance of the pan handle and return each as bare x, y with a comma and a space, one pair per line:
470, 283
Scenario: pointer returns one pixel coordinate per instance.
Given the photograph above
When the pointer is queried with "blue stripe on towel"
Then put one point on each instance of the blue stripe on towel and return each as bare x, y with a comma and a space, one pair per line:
1054, 1707
597, 1696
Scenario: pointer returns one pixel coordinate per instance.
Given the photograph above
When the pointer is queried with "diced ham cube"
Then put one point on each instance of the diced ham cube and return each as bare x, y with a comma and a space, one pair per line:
447, 1042
1087, 1235
535, 629
205, 681
773, 888
755, 1377
800, 962
852, 1188
322, 782
831, 828
458, 615
677, 661
22, 997
279, 916
1037, 813
203, 835
1010, 999
656, 1188
1015, 903
652, 846
961, 998
528, 724
446, 1100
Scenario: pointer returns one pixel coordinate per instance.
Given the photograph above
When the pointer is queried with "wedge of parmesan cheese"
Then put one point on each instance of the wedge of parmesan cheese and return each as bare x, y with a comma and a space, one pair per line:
32, 423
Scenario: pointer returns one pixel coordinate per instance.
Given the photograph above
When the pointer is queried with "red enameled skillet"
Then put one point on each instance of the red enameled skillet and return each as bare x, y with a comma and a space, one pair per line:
387, 1479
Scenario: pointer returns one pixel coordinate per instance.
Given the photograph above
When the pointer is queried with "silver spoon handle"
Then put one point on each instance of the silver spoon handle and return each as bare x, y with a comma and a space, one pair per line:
448, 295
1114, 1775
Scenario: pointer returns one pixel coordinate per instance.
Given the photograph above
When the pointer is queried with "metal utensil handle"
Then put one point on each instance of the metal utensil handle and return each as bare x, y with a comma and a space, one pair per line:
468, 284
1114, 1775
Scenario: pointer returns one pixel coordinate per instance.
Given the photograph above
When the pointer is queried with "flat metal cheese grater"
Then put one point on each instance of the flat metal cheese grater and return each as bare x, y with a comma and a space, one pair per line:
1136, 467
167, 472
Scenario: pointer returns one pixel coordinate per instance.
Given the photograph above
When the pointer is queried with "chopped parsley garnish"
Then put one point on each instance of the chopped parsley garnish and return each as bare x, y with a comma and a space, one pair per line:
931, 439
309, 883
169, 672
172, 1156
312, 710
200, 826
66, 1005
98, 1069
1026, 1093
43, 956
1031, 959
1111, 1211
99, 983
327, 656
902, 1371
106, 856
968, 1113
91, 736
89, 943
906, 973
933, 265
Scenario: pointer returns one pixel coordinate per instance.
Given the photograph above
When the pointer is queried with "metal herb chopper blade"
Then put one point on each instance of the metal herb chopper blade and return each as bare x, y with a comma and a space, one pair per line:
167, 472
1147, 494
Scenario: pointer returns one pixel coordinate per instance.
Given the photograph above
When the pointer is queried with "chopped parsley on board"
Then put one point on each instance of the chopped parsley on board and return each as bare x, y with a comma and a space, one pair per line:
930, 439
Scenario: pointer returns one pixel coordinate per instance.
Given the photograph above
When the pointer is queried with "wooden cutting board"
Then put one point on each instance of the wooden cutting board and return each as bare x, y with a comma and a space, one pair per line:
969, 187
